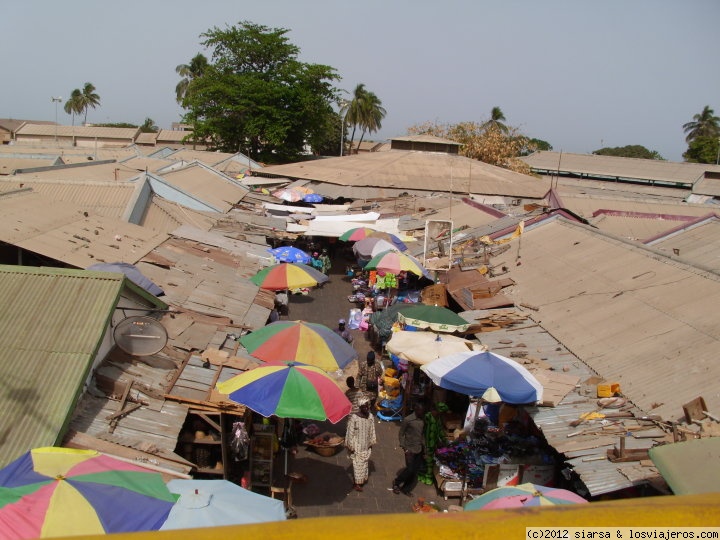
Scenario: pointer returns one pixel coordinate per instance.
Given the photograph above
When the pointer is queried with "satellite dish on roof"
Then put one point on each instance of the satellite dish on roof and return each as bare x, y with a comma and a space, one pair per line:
140, 336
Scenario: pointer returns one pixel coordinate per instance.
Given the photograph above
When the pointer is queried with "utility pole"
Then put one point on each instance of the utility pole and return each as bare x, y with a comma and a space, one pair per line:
56, 100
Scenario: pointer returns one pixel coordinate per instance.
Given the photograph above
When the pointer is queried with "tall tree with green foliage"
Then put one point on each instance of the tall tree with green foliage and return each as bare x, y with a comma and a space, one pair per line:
364, 111
629, 151
196, 68
73, 105
255, 96
89, 99
497, 119
704, 124
703, 150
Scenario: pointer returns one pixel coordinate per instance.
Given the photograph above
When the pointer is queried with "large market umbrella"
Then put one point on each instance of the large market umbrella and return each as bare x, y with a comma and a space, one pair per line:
290, 254
308, 343
288, 390
424, 347
360, 233
356, 233
68, 492
395, 262
281, 276
213, 503
437, 318
472, 373
368, 247
523, 495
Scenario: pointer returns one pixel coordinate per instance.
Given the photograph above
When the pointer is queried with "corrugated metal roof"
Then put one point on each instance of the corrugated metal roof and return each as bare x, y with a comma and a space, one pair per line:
208, 273
8, 165
631, 314
166, 216
86, 171
634, 227
61, 231
53, 321
77, 131
208, 185
104, 199
586, 453
587, 205
697, 243
428, 171
618, 167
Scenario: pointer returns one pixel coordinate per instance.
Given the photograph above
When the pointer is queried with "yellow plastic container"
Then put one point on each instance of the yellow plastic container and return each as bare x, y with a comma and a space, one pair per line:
607, 389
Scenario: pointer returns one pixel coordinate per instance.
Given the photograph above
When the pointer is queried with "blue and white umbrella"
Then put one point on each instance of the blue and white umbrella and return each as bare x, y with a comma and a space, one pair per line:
313, 198
290, 254
214, 503
472, 373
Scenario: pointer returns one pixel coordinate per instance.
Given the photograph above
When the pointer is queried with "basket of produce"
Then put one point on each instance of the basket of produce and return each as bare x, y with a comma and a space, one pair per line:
326, 444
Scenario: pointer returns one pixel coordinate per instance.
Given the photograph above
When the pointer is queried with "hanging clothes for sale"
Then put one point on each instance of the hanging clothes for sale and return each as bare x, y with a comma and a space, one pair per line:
240, 443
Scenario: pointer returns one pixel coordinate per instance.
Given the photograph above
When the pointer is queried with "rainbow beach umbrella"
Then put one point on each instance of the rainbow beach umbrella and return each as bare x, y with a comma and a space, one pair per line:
523, 495
288, 390
394, 262
278, 277
299, 341
67, 492
356, 233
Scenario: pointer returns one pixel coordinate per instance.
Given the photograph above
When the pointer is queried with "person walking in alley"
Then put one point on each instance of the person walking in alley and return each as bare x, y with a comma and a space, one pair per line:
359, 439
325, 261
369, 373
411, 441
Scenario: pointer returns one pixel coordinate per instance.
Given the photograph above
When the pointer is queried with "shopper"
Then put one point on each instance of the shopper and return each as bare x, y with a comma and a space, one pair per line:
343, 332
411, 441
359, 439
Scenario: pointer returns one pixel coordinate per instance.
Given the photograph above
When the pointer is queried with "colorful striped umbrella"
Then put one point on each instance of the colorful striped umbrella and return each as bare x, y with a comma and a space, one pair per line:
68, 492
361, 233
299, 341
368, 247
278, 277
472, 373
288, 390
395, 262
356, 233
437, 318
290, 254
523, 495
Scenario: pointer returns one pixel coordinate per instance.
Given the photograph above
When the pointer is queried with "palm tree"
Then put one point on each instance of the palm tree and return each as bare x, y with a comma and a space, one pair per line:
373, 114
196, 68
364, 111
73, 105
705, 124
88, 100
496, 120
149, 126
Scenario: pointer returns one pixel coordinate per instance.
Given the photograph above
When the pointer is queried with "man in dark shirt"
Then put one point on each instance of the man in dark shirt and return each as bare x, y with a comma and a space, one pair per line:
411, 441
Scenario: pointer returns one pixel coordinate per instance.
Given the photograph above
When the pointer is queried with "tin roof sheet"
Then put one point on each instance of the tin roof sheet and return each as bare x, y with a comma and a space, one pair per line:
618, 167
53, 322
70, 234
631, 314
428, 171
208, 185
585, 453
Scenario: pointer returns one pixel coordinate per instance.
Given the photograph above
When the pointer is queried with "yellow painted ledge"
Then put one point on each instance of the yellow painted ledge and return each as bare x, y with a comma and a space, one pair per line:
669, 511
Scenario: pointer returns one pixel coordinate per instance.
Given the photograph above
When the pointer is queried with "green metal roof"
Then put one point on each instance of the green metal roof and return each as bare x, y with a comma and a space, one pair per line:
52, 322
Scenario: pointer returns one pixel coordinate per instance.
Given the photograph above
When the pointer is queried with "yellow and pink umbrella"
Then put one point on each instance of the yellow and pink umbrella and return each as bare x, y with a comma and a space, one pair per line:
283, 276
523, 495
395, 262
299, 341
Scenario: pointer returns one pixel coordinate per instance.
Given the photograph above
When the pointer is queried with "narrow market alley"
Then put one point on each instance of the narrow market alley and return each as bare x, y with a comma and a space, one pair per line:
327, 491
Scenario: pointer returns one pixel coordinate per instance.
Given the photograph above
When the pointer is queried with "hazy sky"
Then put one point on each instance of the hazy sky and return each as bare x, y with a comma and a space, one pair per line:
578, 74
